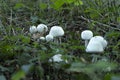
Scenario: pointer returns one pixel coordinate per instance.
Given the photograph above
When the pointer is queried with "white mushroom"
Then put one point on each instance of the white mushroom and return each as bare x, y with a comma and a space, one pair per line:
49, 38
104, 43
56, 31
42, 28
42, 38
101, 40
86, 35
33, 29
96, 44
56, 58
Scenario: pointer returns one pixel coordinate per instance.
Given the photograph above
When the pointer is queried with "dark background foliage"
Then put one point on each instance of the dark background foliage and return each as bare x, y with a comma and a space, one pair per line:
22, 58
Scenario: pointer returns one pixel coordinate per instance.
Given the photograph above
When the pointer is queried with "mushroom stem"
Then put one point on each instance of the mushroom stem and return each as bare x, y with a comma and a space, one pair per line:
60, 40
56, 40
94, 59
86, 43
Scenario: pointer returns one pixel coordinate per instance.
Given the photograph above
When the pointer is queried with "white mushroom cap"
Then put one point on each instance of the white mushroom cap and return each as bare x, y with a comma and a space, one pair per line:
101, 40
56, 58
104, 43
49, 38
33, 29
56, 31
86, 35
94, 46
41, 28
42, 38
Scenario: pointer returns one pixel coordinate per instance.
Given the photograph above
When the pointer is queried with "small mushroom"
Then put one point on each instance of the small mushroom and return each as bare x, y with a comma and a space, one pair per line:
56, 58
42, 28
42, 38
33, 29
49, 38
86, 35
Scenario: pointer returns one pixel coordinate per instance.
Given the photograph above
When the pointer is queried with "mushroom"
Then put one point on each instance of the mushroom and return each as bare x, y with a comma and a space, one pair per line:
86, 35
49, 38
56, 58
57, 31
101, 40
42, 28
42, 38
33, 29
96, 44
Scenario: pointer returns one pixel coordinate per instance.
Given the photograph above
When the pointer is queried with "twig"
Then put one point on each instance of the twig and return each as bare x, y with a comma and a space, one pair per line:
11, 17
13, 31
52, 23
22, 31
89, 20
3, 28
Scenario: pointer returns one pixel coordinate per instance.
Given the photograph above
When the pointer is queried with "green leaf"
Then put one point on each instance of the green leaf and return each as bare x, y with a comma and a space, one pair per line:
18, 75
118, 19
3, 68
35, 44
25, 39
43, 6
103, 66
107, 77
87, 68
111, 76
18, 5
39, 71
69, 1
77, 67
113, 34
57, 4
77, 47
94, 15
80, 67
77, 3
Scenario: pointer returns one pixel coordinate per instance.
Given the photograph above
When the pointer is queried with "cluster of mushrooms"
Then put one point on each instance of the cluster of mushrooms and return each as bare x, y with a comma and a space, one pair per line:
38, 33
95, 44
55, 33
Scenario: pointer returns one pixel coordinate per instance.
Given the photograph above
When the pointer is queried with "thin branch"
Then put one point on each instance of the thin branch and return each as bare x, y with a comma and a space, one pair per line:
3, 28
89, 20
13, 31
52, 23
11, 17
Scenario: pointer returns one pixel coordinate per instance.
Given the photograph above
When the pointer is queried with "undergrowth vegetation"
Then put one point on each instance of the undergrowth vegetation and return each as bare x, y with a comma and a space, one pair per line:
23, 58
